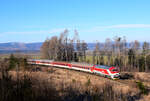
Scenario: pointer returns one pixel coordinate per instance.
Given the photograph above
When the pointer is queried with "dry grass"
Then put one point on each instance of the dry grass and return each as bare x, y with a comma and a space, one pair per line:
145, 98
142, 76
68, 77
66, 82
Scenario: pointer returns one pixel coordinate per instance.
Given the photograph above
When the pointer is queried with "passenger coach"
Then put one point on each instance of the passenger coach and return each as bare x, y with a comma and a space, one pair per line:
106, 71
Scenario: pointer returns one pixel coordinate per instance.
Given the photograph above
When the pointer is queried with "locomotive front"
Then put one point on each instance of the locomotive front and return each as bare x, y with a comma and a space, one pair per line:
114, 72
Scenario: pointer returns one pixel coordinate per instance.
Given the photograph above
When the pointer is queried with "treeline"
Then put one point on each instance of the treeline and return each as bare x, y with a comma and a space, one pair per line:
63, 48
127, 56
113, 52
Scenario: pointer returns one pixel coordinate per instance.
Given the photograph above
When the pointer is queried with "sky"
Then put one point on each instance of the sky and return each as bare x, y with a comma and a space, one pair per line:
35, 20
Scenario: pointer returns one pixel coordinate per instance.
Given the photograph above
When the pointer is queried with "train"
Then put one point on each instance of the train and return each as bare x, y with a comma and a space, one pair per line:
106, 71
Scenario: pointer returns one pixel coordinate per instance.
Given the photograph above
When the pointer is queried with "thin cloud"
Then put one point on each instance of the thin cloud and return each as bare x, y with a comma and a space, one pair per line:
37, 32
102, 28
129, 26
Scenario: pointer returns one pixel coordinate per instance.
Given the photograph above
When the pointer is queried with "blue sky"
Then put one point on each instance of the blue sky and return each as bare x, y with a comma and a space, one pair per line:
35, 20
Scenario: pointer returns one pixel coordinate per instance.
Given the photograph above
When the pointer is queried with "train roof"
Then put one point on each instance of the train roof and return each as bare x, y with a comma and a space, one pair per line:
43, 60
102, 66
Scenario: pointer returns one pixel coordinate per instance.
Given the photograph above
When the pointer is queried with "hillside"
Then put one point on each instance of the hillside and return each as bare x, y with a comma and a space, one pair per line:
79, 83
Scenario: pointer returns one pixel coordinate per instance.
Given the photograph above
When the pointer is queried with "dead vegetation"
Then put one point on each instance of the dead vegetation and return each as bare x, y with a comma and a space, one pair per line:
39, 83
70, 85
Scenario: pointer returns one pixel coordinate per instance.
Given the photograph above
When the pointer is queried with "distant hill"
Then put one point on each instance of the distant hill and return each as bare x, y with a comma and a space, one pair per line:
13, 47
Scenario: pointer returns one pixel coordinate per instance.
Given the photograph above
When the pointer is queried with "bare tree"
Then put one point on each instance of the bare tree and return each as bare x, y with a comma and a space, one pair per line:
96, 53
145, 52
145, 48
107, 49
79, 49
124, 52
84, 47
44, 50
58, 48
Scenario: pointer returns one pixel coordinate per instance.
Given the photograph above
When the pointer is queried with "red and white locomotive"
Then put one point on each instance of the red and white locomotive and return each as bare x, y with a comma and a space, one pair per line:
107, 71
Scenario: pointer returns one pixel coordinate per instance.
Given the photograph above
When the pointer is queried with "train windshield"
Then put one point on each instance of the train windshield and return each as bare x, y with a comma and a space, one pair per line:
102, 66
115, 70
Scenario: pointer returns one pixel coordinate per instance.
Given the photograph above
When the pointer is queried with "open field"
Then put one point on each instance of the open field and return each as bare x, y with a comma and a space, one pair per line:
22, 55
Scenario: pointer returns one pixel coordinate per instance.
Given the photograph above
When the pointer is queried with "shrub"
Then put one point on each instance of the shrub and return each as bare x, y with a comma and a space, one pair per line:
88, 82
12, 62
142, 88
73, 80
15, 62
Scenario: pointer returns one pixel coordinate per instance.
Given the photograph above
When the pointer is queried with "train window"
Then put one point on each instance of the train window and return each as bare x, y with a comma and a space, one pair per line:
102, 66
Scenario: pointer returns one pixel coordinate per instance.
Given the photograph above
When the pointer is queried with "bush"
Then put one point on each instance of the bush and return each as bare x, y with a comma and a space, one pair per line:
15, 62
141, 64
88, 82
12, 62
142, 88
73, 80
